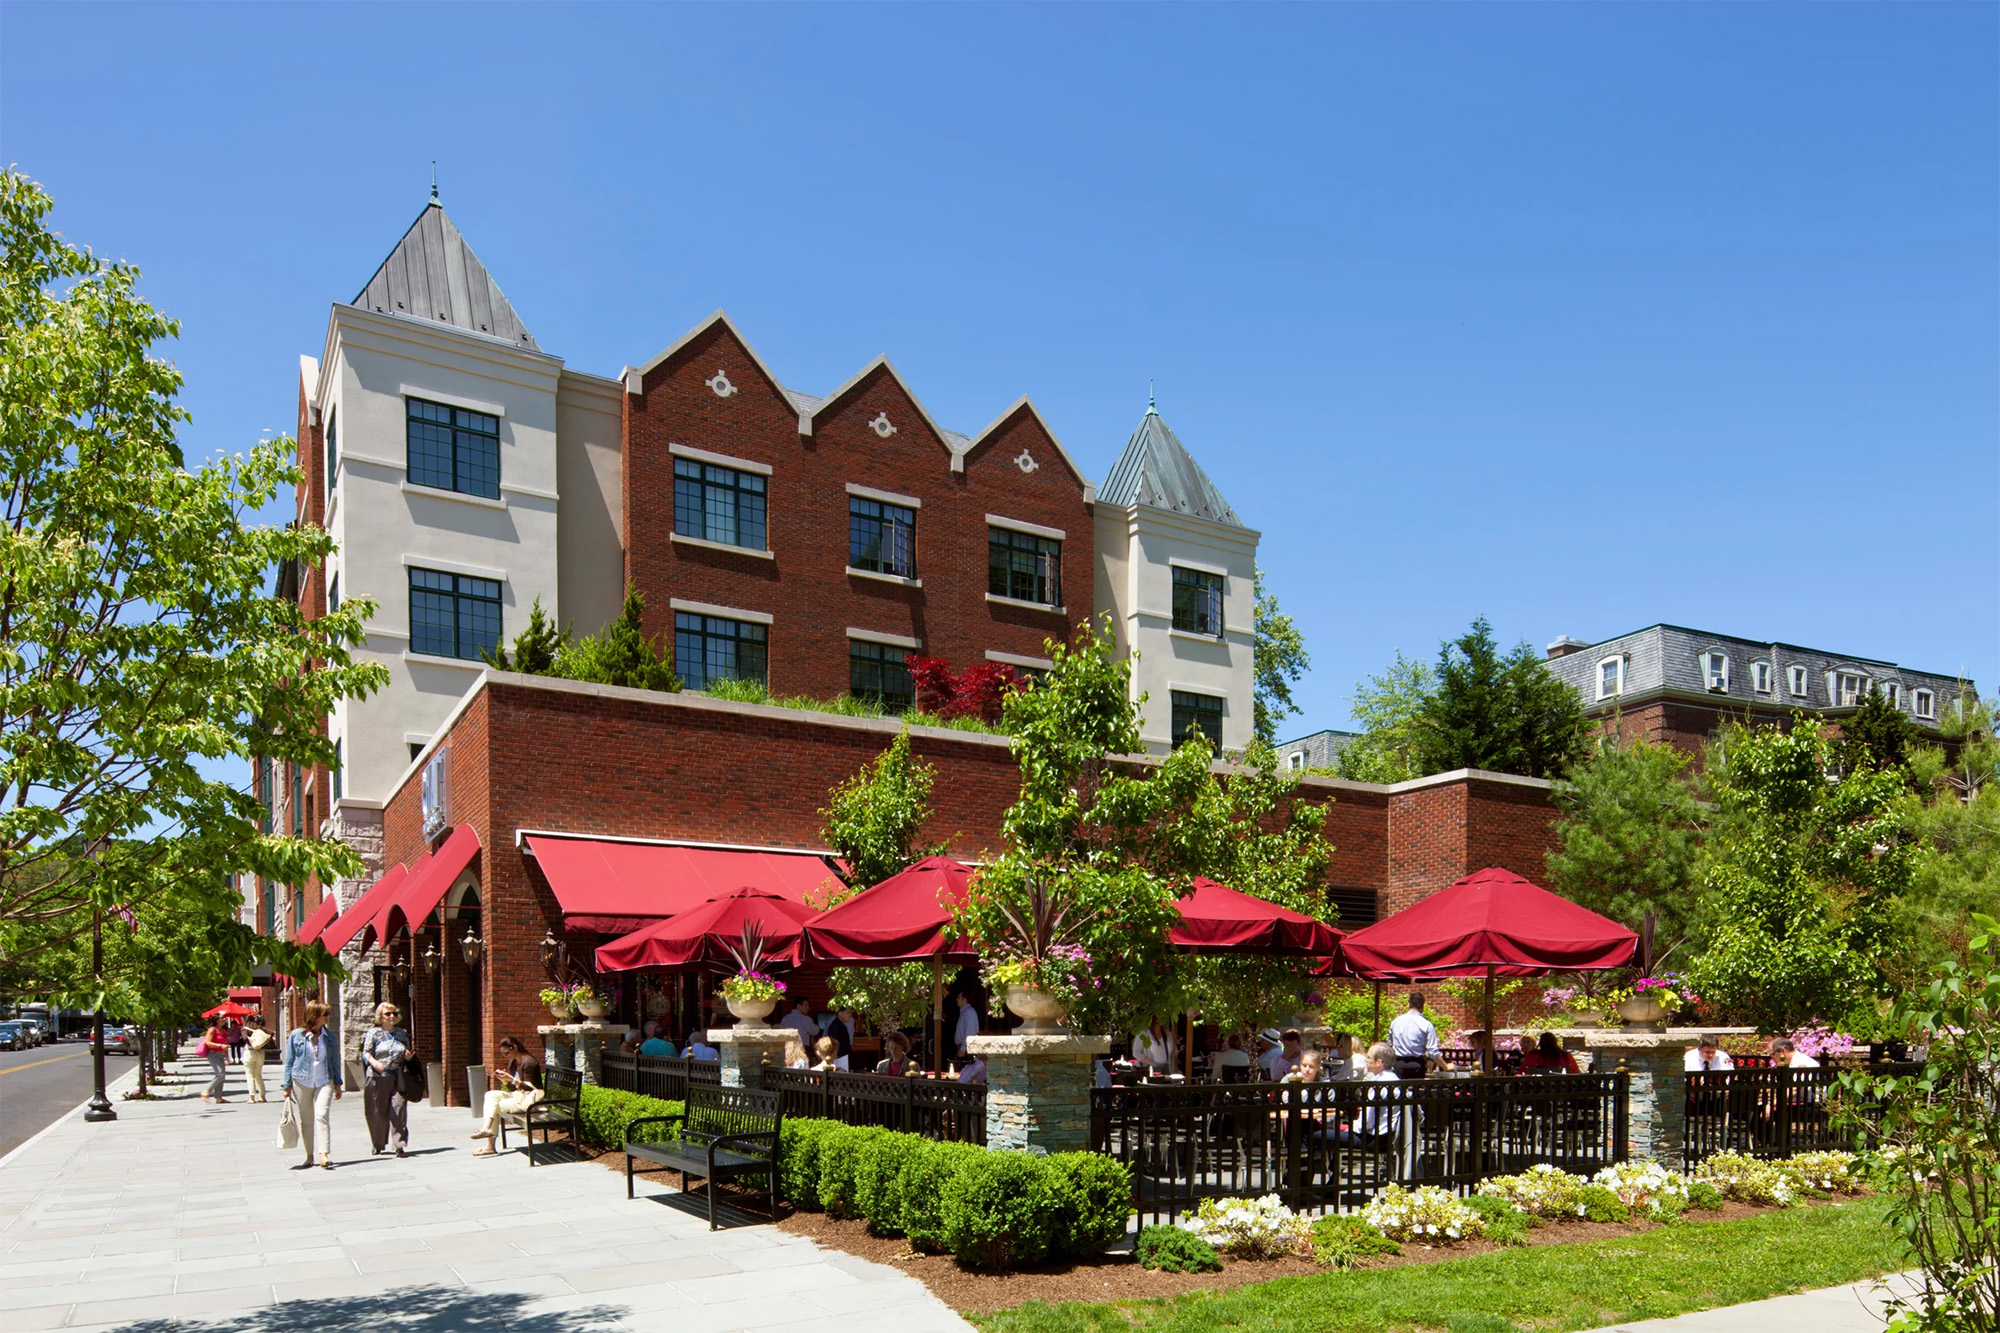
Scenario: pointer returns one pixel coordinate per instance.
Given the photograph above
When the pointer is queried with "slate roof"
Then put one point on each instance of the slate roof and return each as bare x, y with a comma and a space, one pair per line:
433, 274
1157, 470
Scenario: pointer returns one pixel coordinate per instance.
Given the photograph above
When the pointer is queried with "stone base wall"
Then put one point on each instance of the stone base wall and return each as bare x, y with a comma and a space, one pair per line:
354, 999
1656, 1109
746, 1050
1038, 1090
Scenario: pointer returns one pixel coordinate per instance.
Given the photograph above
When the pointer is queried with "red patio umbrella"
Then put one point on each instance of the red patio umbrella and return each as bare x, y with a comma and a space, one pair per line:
227, 1009
1216, 919
703, 934
904, 919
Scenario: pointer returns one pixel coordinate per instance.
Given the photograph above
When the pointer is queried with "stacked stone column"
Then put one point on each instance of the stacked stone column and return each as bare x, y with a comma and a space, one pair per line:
1038, 1089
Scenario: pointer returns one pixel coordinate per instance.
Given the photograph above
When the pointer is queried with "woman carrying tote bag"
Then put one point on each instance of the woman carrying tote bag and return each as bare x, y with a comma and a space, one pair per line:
312, 1081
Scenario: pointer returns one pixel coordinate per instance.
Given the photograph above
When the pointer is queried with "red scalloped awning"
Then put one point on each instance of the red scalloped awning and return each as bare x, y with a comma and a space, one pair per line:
430, 879
320, 918
1495, 919
619, 887
369, 906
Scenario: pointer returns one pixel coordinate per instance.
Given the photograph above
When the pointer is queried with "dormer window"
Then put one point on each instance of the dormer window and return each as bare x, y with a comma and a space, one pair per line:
1848, 687
1924, 704
1715, 671
1795, 681
1611, 677
1893, 692
1296, 760
1760, 677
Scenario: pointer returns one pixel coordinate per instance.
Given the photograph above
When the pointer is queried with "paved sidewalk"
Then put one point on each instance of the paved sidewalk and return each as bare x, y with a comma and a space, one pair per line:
185, 1216
1851, 1309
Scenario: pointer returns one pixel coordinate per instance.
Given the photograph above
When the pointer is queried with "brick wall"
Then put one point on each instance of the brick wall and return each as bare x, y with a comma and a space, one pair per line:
803, 586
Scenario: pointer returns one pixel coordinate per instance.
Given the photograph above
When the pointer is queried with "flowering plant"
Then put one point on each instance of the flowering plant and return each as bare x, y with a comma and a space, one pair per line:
555, 997
752, 986
1541, 1191
1747, 1180
1427, 1214
1829, 1172
1559, 997
1821, 1042
1645, 1187
1249, 1228
1063, 971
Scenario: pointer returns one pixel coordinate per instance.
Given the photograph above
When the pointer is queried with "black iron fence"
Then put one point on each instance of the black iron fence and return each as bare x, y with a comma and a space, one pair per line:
1321, 1146
1766, 1112
935, 1108
665, 1077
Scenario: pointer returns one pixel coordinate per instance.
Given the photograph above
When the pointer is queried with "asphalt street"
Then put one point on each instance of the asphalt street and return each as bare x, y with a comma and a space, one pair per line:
37, 1086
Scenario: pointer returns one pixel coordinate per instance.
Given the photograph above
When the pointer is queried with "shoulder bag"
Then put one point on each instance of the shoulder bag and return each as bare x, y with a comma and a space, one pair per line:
412, 1081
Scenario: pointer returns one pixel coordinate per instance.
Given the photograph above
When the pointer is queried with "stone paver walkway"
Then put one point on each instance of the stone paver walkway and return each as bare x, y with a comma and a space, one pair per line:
1856, 1308
185, 1216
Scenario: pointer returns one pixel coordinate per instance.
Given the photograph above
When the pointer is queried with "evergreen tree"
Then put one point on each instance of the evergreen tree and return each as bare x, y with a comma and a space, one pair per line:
621, 654
1876, 736
1508, 714
536, 648
1278, 660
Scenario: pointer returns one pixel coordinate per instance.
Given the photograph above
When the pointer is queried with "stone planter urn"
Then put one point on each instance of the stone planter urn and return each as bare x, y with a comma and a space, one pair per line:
1040, 1012
1647, 1011
1587, 1018
559, 1012
752, 1013
591, 1009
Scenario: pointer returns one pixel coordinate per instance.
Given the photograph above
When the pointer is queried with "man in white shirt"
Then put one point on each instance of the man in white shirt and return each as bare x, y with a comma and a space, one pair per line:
801, 1021
1784, 1055
968, 1021
1231, 1056
1413, 1039
1708, 1056
1376, 1125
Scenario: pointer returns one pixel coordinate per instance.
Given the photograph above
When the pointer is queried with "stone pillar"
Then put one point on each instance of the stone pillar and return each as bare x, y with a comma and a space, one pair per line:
1657, 1105
360, 827
745, 1051
592, 1039
1038, 1089
558, 1045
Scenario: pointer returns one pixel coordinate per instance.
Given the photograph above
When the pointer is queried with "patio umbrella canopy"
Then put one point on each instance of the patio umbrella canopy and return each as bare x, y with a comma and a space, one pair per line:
703, 934
227, 1009
904, 919
1493, 920
1216, 919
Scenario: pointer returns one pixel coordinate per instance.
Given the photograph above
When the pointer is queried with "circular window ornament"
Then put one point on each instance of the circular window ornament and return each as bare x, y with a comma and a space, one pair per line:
1026, 462
723, 388
882, 426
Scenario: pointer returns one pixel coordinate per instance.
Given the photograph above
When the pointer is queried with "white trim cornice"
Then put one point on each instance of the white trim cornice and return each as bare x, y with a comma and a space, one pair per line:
875, 636
720, 612
1020, 525
720, 460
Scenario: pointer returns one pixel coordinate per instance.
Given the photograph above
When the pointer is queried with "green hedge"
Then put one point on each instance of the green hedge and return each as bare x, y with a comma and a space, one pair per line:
605, 1112
991, 1209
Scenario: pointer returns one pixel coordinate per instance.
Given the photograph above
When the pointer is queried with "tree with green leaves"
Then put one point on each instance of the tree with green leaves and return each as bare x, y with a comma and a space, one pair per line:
1876, 735
1801, 874
1953, 816
1630, 837
141, 650
1508, 714
1388, 708
1278, 660
620, 653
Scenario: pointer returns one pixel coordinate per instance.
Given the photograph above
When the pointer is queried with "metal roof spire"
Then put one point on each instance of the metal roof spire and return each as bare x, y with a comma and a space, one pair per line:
434, 180
1152, 404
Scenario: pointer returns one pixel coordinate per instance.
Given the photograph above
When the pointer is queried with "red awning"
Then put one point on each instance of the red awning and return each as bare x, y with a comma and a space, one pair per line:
703, 934
246, 994
427, 886
1490, 919
619, 887
903, 919
320, 918
365, 909
1220, 920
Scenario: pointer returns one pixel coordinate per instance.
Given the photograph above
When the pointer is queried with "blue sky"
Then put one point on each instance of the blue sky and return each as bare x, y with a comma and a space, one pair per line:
1580, 317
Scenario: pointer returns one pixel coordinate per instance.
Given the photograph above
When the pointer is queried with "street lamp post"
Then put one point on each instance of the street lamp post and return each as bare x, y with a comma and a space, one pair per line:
99, 1108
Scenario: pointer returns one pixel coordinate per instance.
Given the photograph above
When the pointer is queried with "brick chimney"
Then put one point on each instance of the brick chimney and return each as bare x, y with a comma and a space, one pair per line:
1564, 646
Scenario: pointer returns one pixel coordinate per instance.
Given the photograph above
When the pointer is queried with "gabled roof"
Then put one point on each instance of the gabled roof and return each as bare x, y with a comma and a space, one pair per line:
1157, 470
433, 274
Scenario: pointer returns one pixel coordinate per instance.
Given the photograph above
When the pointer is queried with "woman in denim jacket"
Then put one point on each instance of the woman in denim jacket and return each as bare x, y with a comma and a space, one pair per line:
312, 1080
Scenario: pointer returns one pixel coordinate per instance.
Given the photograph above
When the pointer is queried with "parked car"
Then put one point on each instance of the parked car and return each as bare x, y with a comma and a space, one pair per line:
39, 1029
30, 1031
13, 1037
47, 1027
118, 1042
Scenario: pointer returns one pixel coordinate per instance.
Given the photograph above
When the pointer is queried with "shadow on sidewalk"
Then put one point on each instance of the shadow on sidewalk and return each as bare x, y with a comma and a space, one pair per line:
415, 1309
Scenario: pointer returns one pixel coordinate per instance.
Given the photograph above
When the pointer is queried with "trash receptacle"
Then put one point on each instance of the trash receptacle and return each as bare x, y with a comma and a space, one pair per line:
435, 1069
475, 1085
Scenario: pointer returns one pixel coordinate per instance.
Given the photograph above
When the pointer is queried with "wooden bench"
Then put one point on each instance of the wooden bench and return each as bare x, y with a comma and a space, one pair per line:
559, 1108
724, 1134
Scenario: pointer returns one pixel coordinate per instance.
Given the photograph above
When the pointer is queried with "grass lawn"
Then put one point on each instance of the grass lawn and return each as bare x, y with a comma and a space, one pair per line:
1667, 1271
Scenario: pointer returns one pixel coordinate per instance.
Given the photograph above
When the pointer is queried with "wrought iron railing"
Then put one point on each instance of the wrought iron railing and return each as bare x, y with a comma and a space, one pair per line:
1325, 1146
1766, 1112
665, 1077
935, 1108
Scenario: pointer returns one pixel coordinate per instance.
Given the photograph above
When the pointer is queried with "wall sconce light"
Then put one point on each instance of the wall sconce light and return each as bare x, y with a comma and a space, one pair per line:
400, 970
471, 946
431, 957
551, 952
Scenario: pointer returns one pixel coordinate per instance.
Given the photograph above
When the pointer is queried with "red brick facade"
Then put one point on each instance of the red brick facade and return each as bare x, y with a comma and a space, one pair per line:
802, 583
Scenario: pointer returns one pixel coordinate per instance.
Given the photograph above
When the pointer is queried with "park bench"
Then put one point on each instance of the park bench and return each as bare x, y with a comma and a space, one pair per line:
559, 1108
724, 1134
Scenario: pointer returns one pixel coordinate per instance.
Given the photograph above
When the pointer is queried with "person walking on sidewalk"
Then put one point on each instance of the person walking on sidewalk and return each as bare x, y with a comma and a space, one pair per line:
255, 1040
215, 1047
312, 1082
520, 1088
384, 1049
235, 1042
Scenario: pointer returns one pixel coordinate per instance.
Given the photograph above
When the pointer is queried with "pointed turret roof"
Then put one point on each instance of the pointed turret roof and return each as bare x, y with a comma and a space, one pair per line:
1157, 470
433, 274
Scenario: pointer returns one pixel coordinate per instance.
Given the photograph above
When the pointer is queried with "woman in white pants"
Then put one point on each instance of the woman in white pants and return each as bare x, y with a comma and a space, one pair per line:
312, 1082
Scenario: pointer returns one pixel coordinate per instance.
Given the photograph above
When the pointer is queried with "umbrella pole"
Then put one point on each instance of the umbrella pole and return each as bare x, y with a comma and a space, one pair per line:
1487, 1055
937, 1013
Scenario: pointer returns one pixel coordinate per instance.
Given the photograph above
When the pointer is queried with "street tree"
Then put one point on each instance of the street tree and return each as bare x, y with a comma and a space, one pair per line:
1278, 660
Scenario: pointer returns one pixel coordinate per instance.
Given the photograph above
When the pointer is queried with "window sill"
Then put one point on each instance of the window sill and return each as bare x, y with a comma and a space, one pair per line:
877, 575
682, 539
461, 497
431, 659
1197, 637
998, 600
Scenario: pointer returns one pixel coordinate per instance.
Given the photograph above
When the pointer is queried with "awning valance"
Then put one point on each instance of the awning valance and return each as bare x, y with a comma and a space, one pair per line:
370, 905
430, 881
619, 887
318, 920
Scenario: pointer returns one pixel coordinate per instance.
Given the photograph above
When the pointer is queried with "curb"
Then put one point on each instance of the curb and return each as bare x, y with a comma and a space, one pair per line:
111, 1087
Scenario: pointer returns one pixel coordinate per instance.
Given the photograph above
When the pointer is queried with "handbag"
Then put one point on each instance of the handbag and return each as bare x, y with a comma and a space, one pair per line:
412, 1081
288, 1126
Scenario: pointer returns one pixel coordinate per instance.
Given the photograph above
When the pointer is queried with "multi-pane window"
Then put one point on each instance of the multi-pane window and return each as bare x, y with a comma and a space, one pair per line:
1795, 681
1848, 687
1893, 693
1023, 566
453, 449
1610, 677
718, 504
298, 802
453, 615
881, 537
333, 594
881, 673
1715, 672
269, 907
1197, 712
1760, 677
339, 781
1197, 601
1923, 703
709, 648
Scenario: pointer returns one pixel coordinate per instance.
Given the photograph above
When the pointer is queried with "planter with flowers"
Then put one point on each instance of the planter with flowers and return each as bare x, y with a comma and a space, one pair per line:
1033, 961
587, 1002
1650, 1001
752, 993
557, 999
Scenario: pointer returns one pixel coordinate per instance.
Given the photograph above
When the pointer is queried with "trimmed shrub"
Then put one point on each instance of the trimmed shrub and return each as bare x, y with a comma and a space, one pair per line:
798, 1160
603, 1113
1092, 1195
1704, 1196
1338, 1241
922, 1186
1501, 1221
1172, 1250
1540, 1191
1601, 1205
878, 1192
1827, 1172
997, 1211
841, 1149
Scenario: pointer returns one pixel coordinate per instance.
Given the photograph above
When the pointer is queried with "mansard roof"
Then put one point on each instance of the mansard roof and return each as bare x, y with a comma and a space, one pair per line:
1157, 470
433, 274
